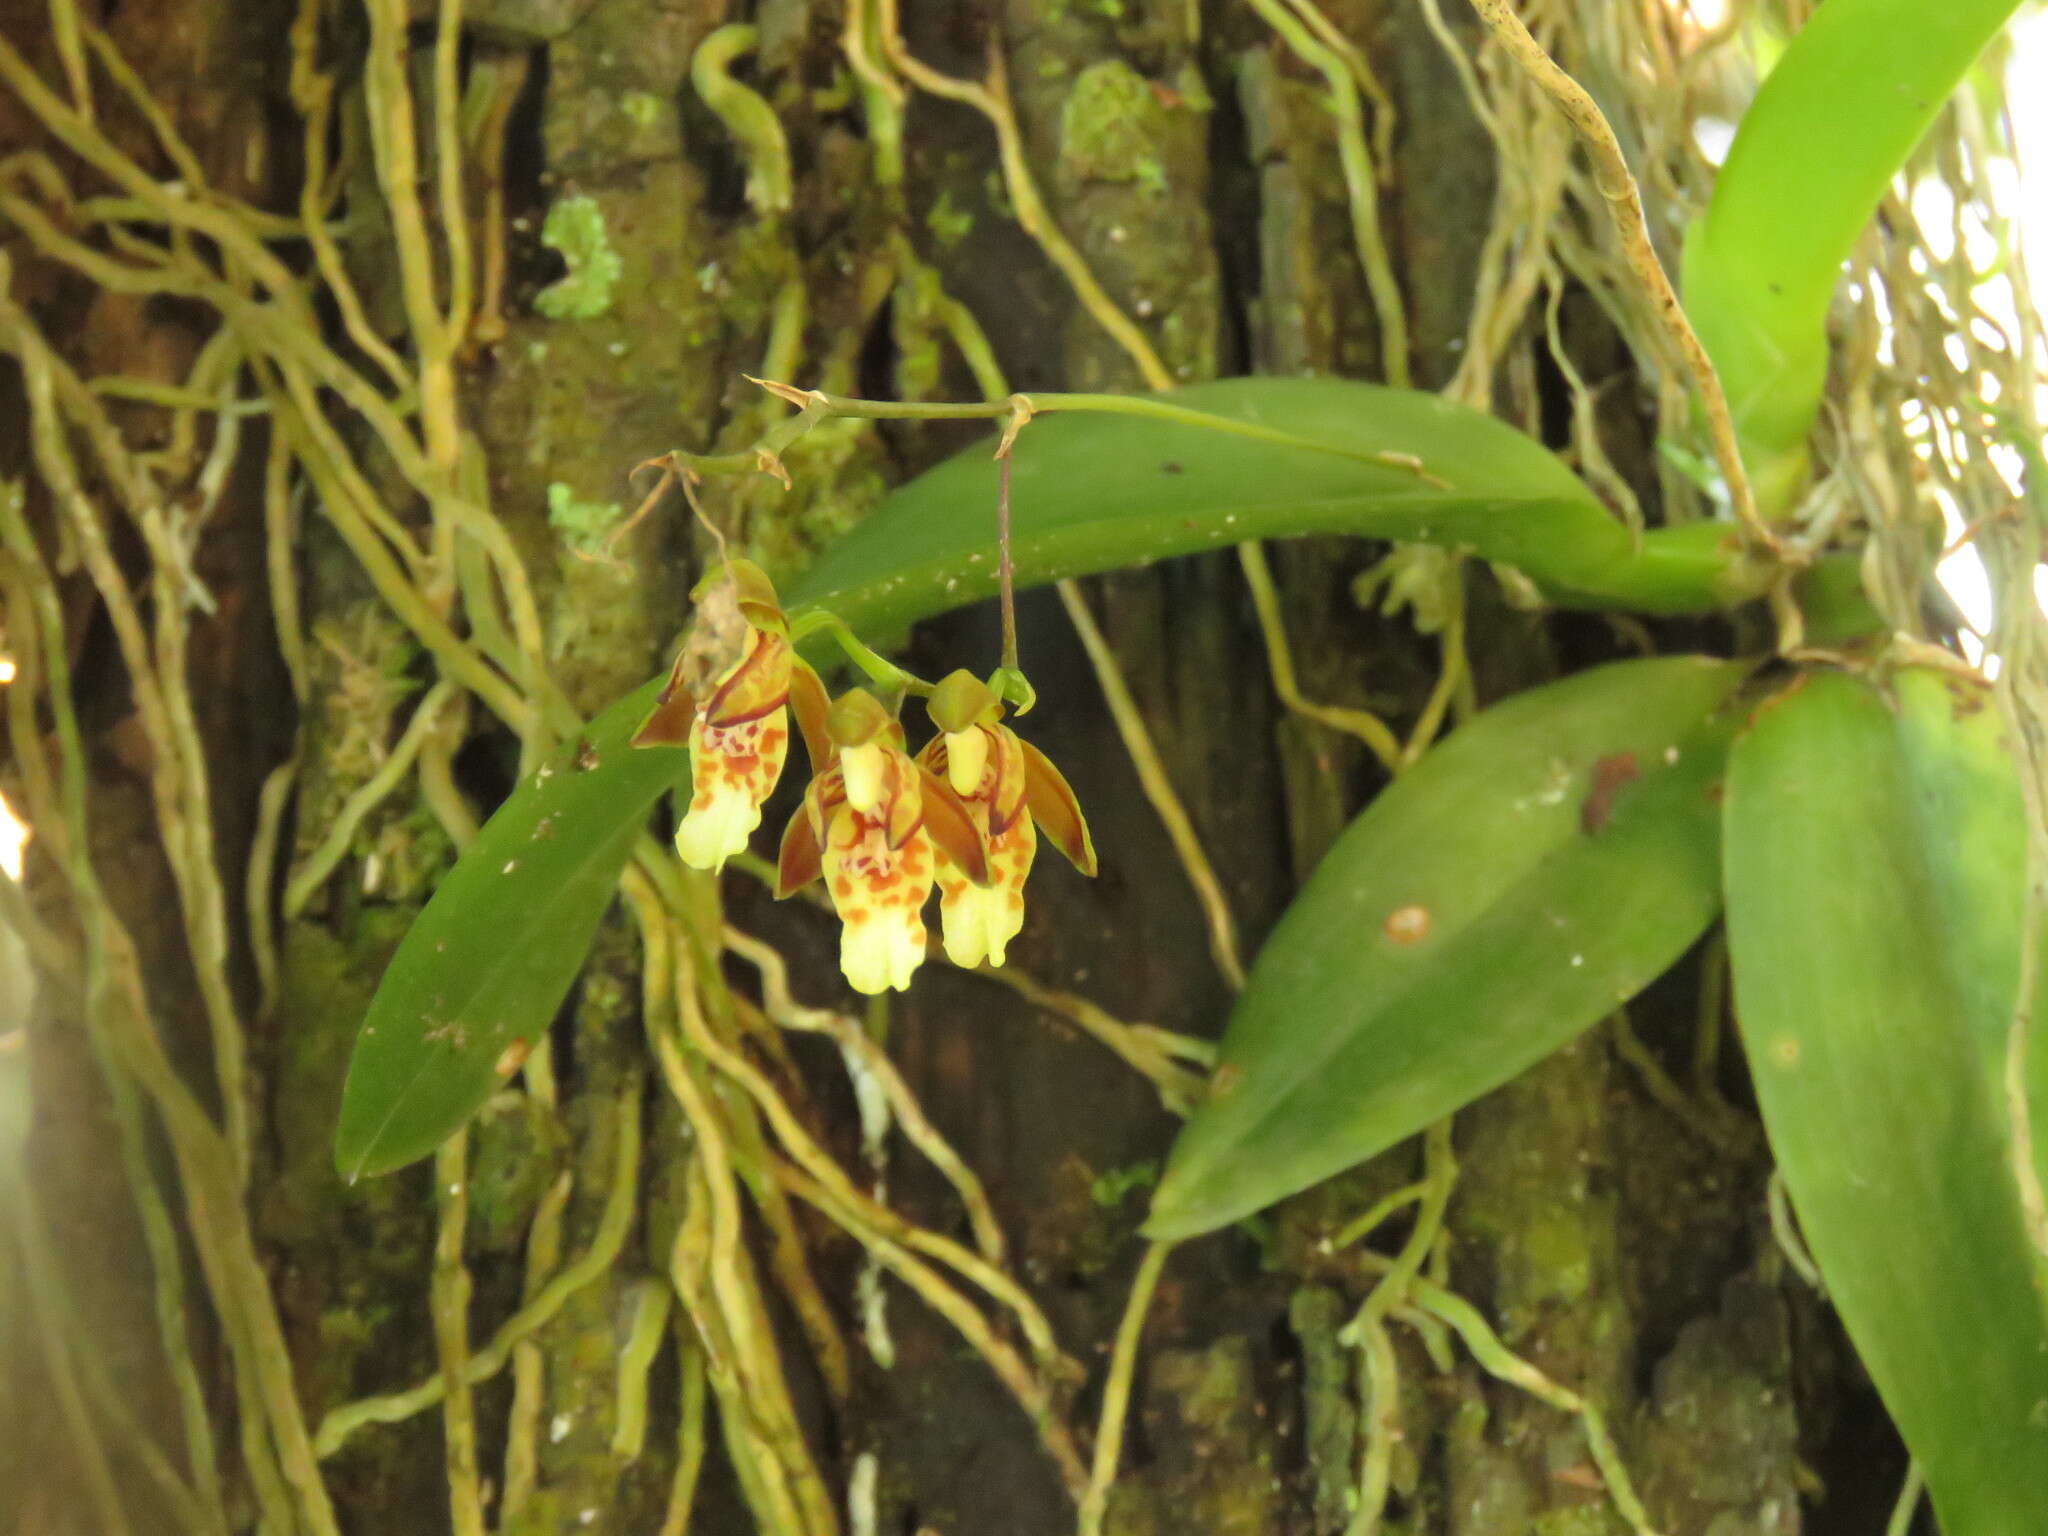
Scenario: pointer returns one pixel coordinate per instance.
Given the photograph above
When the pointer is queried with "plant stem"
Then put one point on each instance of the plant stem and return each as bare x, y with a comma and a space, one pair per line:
815, 405
881, 671
1006, 570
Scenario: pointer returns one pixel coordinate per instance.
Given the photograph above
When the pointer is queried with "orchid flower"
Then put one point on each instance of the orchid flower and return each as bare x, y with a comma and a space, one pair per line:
1011, 791
739, 737
875, 825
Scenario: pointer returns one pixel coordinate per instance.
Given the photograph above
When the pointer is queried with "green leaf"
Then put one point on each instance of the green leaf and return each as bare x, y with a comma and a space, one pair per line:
1876, 873
1541, 866
493, 954
1832, 124
1096, 492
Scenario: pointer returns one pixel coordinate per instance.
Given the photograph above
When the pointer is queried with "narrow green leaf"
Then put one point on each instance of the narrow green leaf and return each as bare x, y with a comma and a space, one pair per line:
1876, 854
1832, 124
487, 964
1541, 866
1095, 492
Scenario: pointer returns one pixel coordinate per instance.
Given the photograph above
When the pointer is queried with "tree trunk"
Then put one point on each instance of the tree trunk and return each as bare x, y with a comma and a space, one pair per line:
1608, 1224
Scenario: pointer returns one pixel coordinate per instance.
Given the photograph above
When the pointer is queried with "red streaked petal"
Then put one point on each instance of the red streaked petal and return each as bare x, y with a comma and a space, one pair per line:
757, 685
948, 823
1006, 800
1055, 809
902, 806
800, 861
822, 796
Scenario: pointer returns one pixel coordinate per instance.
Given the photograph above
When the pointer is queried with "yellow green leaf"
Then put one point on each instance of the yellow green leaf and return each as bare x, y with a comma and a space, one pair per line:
1876, 883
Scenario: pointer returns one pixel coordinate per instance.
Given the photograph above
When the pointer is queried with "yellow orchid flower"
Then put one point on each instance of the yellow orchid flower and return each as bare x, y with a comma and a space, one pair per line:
1011, 791
739, 737
875, 825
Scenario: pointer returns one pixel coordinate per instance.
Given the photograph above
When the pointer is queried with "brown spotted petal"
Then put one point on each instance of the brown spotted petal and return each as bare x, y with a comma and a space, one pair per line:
1055, 809
1006, 779
978, 921
981, 910
803, 840
668, 723
878, 886
738, 744
984, 766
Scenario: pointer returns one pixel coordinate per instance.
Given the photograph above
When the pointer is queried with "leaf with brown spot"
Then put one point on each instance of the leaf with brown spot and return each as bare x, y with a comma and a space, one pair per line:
1462, 928
1610, 775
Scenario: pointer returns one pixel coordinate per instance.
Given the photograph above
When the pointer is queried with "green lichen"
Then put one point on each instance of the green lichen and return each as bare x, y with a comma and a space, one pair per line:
1213, 1470
1577, 1520
1193, 89
948, 222
582, 524
575, 227
1112, 1186
1557, 1252
516, 1151
1316, 1314
1111, 125
642, 108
